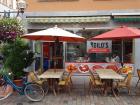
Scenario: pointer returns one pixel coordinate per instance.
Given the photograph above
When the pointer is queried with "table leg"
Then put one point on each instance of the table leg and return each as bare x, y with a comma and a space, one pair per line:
52, 85
109, 86
105, 88
54, 91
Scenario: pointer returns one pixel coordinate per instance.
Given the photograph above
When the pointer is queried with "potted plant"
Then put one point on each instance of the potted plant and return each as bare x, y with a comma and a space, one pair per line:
17, 56
10, 28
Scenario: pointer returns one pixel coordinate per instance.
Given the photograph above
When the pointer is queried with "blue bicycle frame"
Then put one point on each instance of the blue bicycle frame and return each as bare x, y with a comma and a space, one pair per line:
19, 89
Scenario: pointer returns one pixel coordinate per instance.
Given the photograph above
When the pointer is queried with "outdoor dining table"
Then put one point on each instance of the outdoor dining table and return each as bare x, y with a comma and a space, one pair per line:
52, 76
108, 76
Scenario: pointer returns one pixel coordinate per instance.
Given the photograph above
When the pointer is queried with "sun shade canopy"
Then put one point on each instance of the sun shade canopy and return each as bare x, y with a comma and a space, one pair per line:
53, 34
119, 33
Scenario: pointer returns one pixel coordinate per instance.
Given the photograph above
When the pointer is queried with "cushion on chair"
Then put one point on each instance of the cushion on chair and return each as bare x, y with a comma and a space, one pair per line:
121, 84
62, 82
32, 77
39, 81
98, 82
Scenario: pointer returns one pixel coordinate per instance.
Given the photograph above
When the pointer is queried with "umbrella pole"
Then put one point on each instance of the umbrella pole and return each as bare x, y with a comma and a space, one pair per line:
64, 53
122, 43
56, 45
55, 60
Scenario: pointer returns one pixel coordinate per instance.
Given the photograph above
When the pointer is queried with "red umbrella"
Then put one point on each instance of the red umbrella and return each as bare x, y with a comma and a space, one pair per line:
119, 33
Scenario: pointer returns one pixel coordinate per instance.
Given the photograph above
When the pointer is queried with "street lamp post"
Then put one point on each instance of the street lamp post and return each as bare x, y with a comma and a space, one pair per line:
21, 6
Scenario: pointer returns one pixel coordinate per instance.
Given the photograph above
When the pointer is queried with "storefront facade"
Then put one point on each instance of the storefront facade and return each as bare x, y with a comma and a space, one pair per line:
89, 21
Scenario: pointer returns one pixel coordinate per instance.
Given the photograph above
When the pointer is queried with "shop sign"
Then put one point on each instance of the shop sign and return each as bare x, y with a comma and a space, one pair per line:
99, 46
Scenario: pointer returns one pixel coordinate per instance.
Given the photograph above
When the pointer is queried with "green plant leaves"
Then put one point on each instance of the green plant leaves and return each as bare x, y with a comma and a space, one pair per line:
17, 56
10, 28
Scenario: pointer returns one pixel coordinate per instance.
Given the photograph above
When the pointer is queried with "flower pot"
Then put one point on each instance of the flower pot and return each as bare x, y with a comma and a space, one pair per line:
18, 82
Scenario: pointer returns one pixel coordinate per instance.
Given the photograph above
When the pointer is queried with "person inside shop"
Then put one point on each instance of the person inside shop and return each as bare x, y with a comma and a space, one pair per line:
79, 53
86, 58
115, 58
107, 58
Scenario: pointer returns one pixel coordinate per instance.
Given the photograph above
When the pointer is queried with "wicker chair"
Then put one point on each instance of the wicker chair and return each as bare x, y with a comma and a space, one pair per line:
95, 82
65, 75
65, 83
125, 83
32, 77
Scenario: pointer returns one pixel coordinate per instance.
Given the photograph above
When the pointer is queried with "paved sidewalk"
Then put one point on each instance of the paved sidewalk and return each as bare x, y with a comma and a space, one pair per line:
79, 96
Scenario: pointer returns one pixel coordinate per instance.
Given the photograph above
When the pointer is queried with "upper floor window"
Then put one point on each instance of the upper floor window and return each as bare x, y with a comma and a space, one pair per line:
8, 3
3, 2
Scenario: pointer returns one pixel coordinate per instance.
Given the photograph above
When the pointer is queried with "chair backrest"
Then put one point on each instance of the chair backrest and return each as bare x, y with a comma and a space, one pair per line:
120, 71
65, 74
32, 77
92, 77
40, 71
90, 72
128, 78
138, 71
68, 78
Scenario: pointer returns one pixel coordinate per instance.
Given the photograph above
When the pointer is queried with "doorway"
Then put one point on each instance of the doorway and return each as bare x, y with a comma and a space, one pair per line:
52, 55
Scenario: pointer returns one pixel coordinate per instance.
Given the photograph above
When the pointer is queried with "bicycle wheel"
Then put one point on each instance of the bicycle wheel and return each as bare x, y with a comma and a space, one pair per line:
5, 91
34, 92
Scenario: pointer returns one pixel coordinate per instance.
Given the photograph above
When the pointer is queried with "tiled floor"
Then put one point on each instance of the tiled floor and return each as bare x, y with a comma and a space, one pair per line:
79, 96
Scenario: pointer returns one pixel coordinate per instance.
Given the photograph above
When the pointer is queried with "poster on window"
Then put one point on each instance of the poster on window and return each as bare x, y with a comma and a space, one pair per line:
84, 68
99, 46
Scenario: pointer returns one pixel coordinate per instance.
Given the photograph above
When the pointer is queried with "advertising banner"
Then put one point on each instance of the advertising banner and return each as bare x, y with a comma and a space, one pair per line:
85, 67
99, 46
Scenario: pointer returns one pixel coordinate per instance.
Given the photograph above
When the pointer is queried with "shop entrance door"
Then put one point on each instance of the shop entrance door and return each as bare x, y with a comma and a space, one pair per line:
53, 55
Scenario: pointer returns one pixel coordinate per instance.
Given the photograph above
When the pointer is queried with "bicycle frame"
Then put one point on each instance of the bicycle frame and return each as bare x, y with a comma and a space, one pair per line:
29, 89
19, 89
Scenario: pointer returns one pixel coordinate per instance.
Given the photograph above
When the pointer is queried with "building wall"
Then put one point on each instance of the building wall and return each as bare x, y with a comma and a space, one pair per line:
77, 8
136, 51
81, 5
7, 5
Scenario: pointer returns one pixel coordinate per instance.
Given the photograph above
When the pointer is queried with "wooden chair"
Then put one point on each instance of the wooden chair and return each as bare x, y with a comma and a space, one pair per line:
125, 83
65, 75
32, 77
95, 82
120, 71
138, 72
94, 70
94, 74
65, 83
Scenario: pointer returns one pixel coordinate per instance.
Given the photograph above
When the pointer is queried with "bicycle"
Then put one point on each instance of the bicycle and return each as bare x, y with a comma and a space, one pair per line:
32, 91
